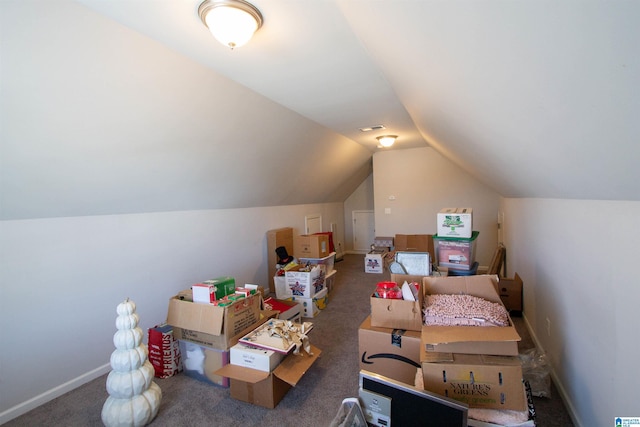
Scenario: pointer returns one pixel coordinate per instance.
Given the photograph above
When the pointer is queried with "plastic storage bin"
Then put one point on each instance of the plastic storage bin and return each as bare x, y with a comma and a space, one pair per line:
456, 253
471, 272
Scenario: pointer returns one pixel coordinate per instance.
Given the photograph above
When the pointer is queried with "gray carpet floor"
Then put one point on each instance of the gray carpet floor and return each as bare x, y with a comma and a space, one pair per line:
313, 402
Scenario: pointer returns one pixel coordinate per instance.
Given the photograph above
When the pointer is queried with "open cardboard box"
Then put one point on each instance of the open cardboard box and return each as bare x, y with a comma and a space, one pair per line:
268, 388
211, 325
488, 340
398, 313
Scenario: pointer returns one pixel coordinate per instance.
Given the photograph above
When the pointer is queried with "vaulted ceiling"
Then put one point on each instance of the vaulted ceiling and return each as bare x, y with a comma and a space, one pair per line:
535, 98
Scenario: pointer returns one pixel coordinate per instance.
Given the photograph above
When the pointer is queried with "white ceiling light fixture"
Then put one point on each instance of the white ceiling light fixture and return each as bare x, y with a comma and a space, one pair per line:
232, 22
387, 140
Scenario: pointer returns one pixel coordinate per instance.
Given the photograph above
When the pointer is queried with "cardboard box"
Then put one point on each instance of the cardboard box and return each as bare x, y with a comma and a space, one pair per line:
414, 243
480, 381
304, 283
211, 325
276, 238
374, 261
287, 310
311, 246
254, 357
489, 340
394, 353
268, 388
510, 291
459, 254
201, 362
455, 222
397, 313
311, 306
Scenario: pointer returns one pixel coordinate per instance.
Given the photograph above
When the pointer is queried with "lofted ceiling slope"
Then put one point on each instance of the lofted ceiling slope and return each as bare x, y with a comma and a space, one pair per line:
536, 98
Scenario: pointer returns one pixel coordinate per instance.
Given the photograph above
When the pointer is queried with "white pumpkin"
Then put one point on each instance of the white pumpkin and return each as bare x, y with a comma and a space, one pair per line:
125, 339
127, 384
138, 411
129, 359
127, 321
126, 307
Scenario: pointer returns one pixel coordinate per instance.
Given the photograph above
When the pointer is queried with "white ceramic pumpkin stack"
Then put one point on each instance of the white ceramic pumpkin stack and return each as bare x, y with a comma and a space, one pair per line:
134, 398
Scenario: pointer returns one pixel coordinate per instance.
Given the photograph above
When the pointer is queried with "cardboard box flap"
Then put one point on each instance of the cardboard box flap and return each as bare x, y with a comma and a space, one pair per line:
293, 367
450, 334
483, 286
242, 373
196, 317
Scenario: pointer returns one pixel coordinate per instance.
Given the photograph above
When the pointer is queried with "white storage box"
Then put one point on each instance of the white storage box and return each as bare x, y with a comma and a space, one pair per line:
455, 222
311, 306
374, 261
328, 262
255, 358
305, 283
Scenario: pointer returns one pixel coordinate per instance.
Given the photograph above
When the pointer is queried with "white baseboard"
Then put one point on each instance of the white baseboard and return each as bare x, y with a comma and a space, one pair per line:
49, 395
556, 381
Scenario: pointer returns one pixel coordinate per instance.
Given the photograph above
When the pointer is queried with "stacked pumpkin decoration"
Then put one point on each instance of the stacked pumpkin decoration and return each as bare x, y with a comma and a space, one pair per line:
134, 398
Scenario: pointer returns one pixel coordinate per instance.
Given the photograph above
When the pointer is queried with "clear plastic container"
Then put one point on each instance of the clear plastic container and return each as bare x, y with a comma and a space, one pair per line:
389, 290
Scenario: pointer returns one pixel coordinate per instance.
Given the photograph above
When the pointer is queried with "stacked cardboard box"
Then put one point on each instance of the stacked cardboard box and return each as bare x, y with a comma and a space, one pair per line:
476, 365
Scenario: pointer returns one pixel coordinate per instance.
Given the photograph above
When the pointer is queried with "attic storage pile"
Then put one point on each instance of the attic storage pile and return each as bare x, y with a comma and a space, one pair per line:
465, 350
235, 336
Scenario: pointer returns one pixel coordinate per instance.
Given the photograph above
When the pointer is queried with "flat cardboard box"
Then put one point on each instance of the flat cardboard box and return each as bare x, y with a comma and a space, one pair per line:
414, 243
268, 388
480, 381
311, 246
211, 325
490, 340
455, 222
510, 291
397, 313
394, 353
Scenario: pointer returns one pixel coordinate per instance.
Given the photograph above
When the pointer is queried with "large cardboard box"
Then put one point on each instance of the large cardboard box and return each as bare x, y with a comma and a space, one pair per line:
211, 325
276, 238
480, 381
414, 243
488, 340
397, 313
268, 388
311, 246
201, 362
303, 283
455, 222
394, 353
510, 291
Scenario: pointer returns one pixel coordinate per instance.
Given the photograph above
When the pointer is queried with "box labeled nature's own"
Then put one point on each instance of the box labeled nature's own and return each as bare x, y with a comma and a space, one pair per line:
268, 388
397, 313
374, 261
211, 325
304, 283
394, 353
480, 381
254, 357
455, 222
200, 362
311, 306
311, 246
488, 340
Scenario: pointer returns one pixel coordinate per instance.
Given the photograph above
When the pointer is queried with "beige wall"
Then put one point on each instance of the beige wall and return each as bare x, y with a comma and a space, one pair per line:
422, 183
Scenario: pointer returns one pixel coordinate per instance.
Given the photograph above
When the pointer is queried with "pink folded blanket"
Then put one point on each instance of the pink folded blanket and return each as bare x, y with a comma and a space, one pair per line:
463, 310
